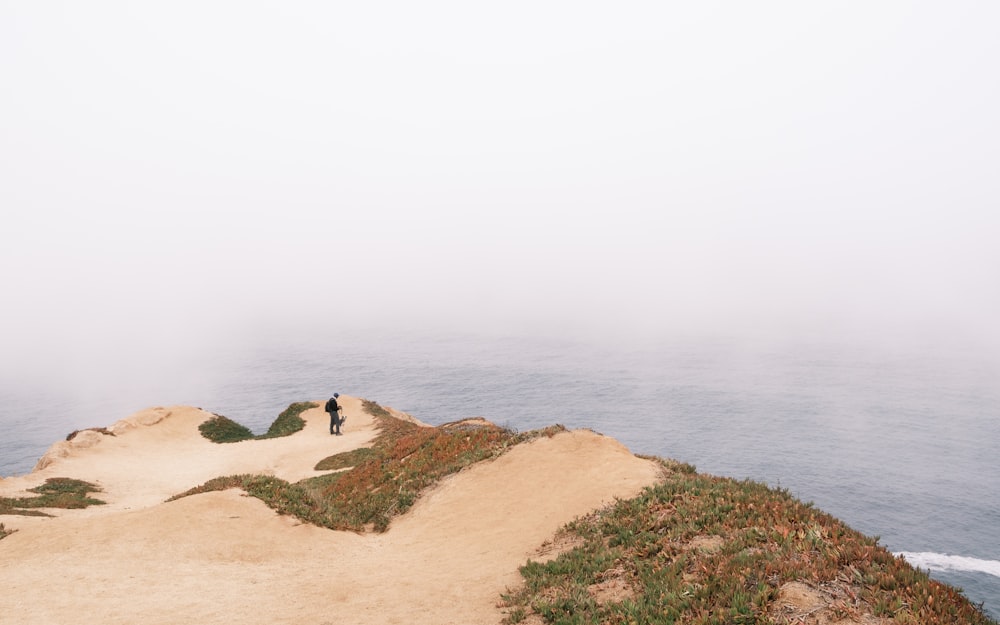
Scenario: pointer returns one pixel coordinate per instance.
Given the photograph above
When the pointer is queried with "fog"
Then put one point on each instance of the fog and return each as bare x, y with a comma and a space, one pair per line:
183, 178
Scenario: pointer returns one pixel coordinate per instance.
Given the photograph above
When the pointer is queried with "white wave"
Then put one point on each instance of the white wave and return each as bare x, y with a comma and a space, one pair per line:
944, 562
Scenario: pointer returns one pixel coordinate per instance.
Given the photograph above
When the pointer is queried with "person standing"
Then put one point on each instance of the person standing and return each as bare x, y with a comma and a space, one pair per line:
334, 409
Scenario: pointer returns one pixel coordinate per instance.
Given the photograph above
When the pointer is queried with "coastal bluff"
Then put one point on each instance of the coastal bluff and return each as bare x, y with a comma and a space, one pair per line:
226, 557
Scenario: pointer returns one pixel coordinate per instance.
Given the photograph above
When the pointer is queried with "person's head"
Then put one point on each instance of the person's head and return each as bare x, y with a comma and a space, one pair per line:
336, 395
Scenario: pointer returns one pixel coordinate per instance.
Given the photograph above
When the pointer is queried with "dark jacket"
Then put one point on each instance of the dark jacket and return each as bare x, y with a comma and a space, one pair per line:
332, 406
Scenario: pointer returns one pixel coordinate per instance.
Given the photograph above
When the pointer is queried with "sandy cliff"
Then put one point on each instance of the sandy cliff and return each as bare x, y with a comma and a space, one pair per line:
224, 557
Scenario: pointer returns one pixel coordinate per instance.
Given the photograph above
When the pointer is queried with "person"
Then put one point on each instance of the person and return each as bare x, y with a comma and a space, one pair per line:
334, 409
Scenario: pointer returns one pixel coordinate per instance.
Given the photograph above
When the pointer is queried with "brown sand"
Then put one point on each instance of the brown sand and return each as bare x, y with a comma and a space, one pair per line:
224, 557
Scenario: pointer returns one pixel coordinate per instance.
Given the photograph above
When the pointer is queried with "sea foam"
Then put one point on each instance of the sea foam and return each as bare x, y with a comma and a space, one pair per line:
944, 562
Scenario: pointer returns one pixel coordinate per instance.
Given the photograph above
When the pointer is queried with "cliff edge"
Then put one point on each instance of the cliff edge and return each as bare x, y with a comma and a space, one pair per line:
225, 557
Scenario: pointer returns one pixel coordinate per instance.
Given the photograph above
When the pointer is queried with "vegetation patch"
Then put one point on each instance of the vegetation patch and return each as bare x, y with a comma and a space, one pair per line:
220, 429
374, 409
289, 421
385, 480
56, 492
4, 532
346, 459
104, 431
704, 550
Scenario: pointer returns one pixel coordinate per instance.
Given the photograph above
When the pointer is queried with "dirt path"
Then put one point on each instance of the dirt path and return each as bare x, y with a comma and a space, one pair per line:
226, 558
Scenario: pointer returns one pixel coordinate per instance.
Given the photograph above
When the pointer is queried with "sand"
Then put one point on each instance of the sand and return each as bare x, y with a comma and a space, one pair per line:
224, 557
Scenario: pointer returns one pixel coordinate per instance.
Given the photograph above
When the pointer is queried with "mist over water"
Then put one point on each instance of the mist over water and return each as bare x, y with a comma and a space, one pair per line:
898, 443
174, 179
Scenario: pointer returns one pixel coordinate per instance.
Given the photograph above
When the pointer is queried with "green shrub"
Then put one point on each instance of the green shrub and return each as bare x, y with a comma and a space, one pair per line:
289, 421
221, 429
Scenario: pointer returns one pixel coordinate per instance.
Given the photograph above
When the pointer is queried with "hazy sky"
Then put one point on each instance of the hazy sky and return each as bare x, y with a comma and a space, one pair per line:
176, 171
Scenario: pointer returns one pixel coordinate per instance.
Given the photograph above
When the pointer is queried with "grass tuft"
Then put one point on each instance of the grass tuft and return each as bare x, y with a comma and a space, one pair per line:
346, 459
56, 492
289, 421
220, 429
374, 409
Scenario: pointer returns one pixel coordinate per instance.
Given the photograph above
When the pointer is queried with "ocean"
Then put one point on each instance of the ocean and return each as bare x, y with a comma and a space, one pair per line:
900, 442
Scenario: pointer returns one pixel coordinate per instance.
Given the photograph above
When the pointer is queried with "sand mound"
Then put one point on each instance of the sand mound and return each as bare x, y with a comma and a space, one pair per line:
224, 557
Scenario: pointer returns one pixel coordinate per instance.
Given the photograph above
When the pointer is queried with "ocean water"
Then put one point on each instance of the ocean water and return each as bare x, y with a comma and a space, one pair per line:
900, 443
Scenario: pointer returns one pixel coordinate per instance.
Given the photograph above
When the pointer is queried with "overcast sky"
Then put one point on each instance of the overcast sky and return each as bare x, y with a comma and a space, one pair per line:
176, 171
